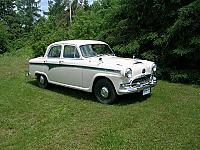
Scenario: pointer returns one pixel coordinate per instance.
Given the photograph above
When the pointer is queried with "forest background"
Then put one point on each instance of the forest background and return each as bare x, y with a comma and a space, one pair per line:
166, 32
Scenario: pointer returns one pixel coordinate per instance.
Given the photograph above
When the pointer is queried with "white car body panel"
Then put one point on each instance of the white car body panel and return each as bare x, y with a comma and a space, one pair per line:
80, 73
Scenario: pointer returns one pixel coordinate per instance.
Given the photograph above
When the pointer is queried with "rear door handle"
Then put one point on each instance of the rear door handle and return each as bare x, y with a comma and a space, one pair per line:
60, 61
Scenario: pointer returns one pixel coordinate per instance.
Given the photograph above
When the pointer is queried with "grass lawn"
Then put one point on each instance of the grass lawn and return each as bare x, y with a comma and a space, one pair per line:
61, 118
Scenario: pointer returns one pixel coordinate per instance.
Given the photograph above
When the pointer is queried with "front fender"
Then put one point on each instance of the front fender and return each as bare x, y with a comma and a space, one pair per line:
114, 78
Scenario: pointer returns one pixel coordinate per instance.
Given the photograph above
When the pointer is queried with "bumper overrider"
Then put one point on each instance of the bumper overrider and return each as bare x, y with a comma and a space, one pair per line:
137, 85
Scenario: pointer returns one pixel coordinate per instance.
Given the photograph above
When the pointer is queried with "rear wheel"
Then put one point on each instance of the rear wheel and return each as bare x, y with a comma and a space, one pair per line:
104, 91
42, 81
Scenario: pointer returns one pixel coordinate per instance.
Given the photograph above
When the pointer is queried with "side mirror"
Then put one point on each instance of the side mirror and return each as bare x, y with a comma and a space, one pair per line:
133, 56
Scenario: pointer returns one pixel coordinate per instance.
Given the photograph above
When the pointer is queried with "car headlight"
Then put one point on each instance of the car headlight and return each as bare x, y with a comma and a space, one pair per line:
128, 73
154, 68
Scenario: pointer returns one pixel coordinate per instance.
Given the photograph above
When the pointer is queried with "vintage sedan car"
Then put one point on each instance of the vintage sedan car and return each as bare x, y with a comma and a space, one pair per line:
92, 66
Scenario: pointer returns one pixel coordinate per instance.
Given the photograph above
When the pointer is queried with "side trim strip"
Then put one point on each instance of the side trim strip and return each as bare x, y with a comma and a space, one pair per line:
51, 66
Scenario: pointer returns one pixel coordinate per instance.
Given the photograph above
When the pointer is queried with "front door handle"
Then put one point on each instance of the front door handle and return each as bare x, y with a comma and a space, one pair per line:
60, 61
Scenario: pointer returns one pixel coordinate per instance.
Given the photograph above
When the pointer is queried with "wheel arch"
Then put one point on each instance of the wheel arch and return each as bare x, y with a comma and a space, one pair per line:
98, 78
41, 73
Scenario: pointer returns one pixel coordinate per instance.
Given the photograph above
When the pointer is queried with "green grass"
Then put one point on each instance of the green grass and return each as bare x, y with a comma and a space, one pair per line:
61, 118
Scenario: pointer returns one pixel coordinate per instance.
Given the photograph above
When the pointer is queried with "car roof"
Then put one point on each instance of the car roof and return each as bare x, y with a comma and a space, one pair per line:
79, 42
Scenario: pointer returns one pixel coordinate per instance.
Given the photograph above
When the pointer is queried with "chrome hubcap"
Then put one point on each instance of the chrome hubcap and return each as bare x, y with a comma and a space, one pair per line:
104, 92
41, 79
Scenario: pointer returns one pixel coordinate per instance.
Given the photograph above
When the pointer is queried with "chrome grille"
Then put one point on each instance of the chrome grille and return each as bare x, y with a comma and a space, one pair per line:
141, 80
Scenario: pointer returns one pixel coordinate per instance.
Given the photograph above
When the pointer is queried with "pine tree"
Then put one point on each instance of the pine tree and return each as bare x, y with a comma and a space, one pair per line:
28, 11
9, 24
86, 5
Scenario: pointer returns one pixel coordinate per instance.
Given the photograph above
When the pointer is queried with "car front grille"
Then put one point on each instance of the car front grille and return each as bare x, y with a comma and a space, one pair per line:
141, 80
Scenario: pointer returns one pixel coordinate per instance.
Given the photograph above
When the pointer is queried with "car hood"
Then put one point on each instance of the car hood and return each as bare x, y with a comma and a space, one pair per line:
112, 62
120, 61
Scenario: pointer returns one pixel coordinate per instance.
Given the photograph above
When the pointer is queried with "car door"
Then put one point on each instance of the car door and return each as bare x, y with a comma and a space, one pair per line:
52, 68
71, 66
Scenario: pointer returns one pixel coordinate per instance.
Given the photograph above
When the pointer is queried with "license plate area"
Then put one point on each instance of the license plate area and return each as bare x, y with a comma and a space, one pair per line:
146, 91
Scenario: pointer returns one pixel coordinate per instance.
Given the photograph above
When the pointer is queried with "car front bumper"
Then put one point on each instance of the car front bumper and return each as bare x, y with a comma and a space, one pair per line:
126, 88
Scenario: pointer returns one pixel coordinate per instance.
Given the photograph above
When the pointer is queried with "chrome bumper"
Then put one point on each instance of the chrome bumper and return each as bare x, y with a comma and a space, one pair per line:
131, 87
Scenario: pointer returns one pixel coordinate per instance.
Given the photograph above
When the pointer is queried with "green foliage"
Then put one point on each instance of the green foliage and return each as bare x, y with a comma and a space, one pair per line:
85, 26
10, 28
86, 5
129, 49
28, 11
166, 32
6, 10
4, 35
45, 33
179, 77
57, 9
185, 76
183, 35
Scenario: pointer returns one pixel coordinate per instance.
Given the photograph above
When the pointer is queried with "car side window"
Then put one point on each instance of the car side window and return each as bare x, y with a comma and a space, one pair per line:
55, 51
70, 52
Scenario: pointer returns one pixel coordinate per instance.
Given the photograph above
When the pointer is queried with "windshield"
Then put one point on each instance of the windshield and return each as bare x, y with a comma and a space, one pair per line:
92, 50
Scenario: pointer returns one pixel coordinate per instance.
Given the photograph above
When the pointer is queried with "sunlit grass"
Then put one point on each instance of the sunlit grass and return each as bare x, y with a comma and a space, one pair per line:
61, 118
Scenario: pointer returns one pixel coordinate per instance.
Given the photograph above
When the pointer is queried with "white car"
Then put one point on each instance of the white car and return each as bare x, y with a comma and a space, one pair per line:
92, 66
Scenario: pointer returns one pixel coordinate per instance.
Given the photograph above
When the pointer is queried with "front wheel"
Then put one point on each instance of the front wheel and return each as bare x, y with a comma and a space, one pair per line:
104, 91
42, 81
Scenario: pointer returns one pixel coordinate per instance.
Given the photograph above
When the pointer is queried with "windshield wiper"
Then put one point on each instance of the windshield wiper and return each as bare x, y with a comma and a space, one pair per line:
110, 54
104, 54
99, 55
